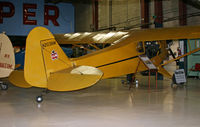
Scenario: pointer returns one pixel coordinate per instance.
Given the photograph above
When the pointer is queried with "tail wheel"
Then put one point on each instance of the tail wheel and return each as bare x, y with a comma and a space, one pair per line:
39, 99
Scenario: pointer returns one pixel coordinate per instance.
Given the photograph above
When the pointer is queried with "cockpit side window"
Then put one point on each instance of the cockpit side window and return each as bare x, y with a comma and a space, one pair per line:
140, 47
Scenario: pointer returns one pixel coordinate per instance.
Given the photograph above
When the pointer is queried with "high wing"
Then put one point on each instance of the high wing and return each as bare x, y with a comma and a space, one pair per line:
187, 32
90, 37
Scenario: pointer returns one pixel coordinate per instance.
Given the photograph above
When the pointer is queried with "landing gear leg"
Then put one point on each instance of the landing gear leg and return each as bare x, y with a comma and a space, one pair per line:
39, 98
132, 81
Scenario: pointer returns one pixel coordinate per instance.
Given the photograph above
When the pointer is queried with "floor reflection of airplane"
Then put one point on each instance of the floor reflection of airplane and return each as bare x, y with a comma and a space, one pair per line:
7, 59
46, 65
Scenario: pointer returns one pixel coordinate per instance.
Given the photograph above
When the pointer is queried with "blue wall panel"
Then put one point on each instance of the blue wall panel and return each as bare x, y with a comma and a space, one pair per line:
14, 25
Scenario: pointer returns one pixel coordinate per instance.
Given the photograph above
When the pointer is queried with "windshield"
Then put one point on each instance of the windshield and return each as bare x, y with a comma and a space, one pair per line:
140, 47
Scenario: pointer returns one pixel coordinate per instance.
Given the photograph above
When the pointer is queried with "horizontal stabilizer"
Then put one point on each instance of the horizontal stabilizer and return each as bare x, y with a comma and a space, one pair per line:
78, 78
164, 72
17, 79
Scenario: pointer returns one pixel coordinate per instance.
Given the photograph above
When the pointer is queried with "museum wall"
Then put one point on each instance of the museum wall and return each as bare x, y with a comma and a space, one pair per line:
170, 13
193, 20
126, 14
119, 13
83, 17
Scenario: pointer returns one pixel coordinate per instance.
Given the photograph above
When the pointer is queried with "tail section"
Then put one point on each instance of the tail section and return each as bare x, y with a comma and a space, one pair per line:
7, 59
43, 56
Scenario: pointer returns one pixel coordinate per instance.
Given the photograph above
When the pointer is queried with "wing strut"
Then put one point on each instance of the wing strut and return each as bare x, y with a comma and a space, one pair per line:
97, 48
80, 46
186, 54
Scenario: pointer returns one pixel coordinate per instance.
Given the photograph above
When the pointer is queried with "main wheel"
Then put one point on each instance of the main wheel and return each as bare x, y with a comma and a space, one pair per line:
4, 86
39, 99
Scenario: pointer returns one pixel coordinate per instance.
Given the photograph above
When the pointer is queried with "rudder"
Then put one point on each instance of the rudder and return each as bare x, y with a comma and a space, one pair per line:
7, 58
43, 56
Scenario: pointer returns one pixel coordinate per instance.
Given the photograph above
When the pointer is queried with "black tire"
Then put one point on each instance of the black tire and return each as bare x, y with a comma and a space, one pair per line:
39, 99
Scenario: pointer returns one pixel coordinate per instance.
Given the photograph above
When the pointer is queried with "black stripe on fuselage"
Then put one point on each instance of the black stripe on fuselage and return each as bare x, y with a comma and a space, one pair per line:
117, 61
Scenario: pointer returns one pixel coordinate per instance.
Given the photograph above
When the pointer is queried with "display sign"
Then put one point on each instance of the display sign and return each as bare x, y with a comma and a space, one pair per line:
180, 76
18, 17
147, 62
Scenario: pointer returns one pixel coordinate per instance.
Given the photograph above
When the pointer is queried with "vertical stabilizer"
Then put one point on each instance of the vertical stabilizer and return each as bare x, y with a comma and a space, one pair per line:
7, 59
43, 56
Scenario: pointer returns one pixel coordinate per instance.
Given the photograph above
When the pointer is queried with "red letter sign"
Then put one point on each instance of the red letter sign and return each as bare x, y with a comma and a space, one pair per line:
6, 14
48, 17
26, 14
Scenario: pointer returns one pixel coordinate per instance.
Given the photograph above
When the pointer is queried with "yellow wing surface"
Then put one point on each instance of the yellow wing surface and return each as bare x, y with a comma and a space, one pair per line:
74, 78
186, 32
90, 37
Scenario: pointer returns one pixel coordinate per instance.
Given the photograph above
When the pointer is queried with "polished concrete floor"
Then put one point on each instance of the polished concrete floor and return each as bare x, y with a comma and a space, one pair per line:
106, 104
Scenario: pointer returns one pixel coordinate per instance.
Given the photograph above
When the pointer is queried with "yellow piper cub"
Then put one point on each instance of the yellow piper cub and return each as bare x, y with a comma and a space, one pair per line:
47, 66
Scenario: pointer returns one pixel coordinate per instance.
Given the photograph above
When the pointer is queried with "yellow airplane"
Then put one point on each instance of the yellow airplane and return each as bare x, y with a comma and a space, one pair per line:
7, 59
46, 65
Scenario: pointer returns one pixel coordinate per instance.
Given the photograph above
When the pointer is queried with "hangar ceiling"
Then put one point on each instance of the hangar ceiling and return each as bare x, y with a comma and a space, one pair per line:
67, 1
195, 3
